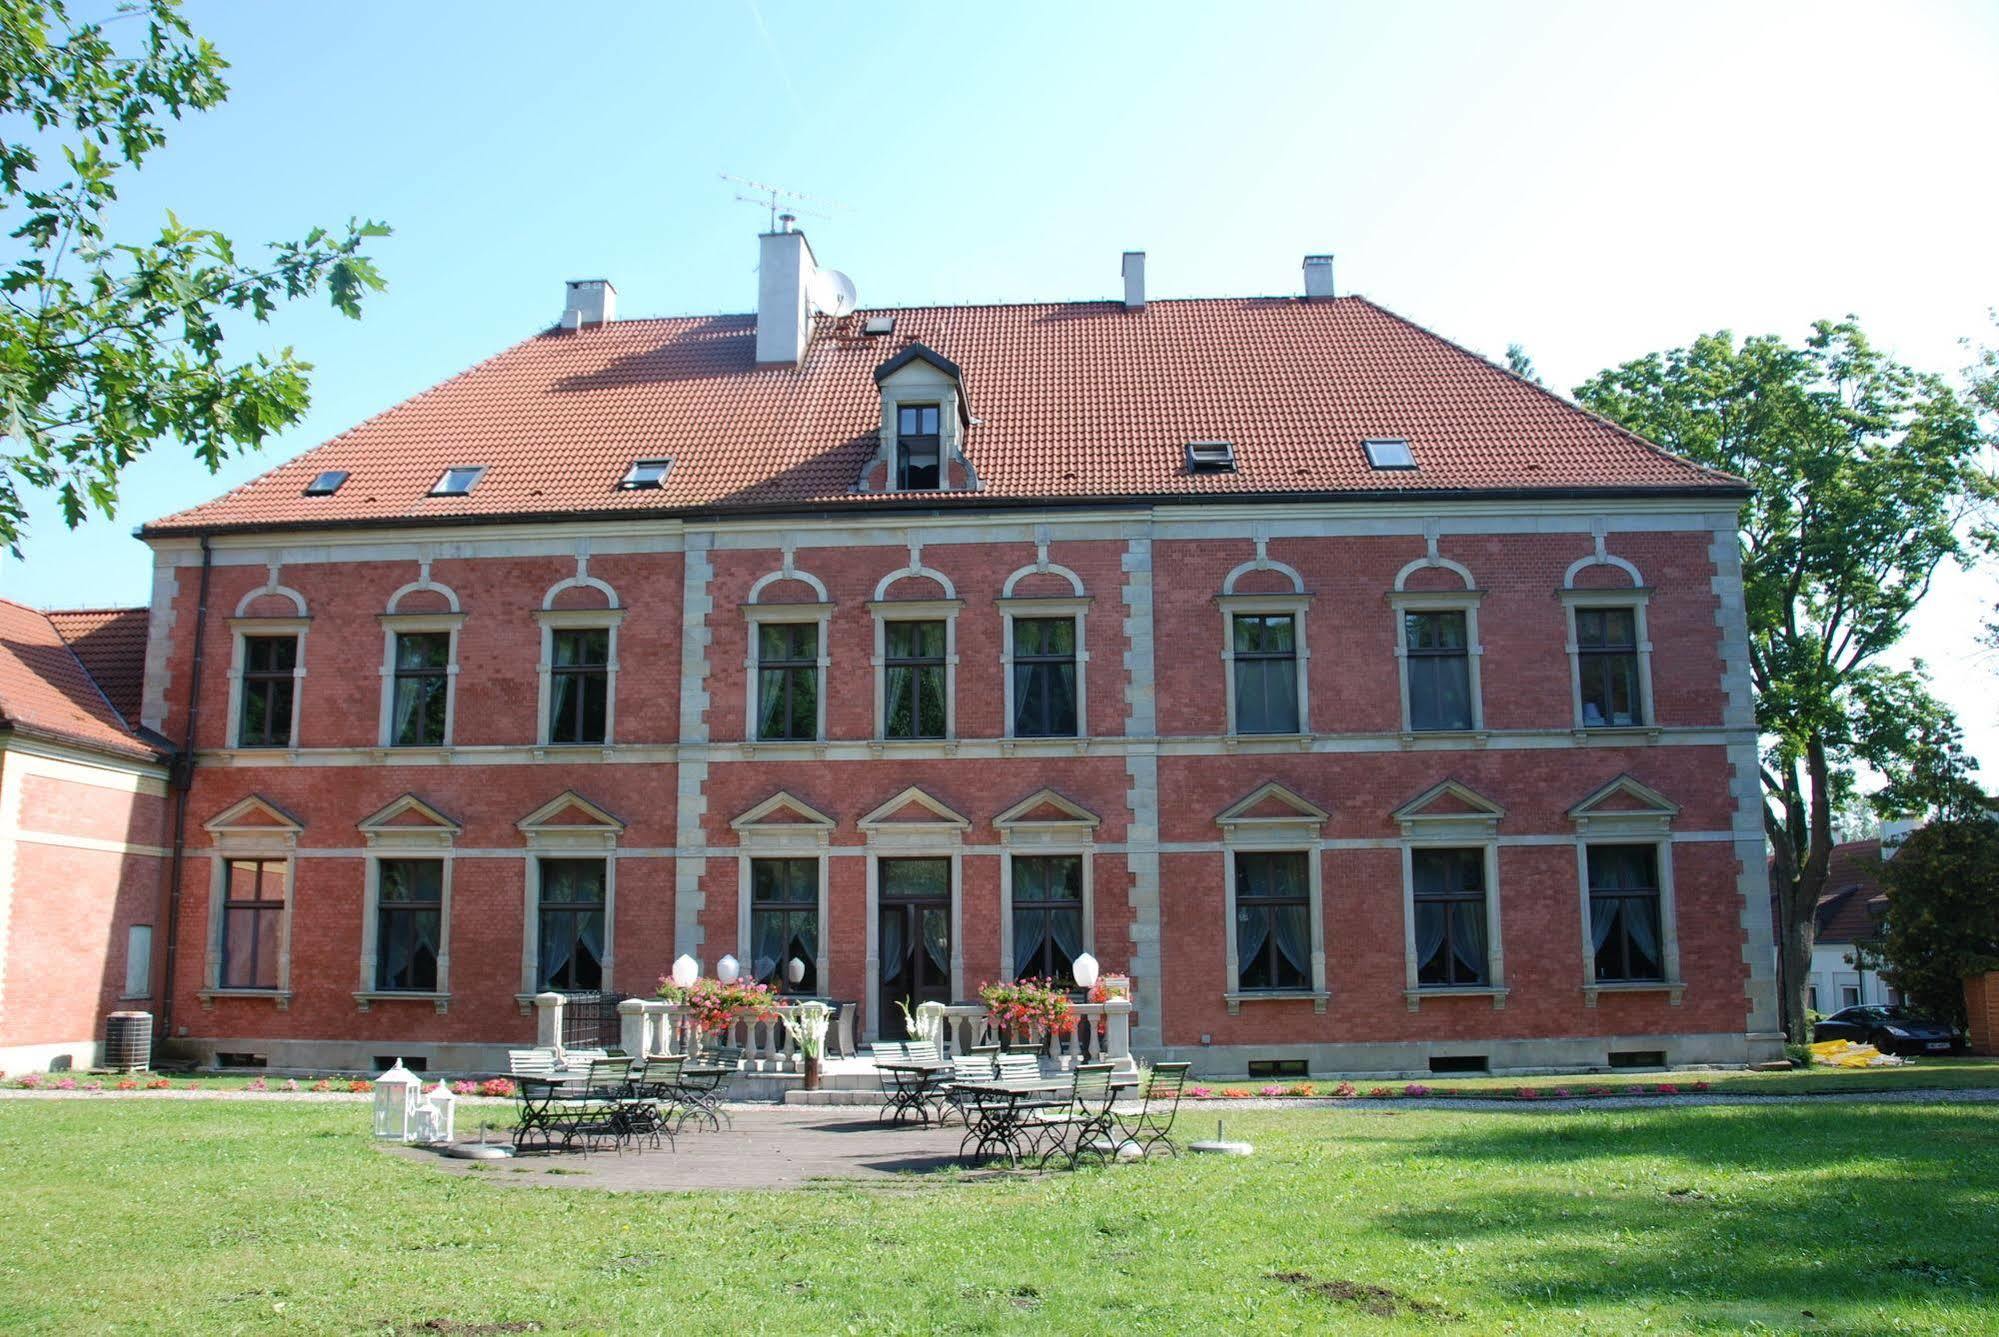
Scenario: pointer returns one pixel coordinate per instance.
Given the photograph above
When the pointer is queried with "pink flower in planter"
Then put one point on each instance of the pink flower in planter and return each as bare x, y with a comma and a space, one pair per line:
496, 1086
93, 1084
256, 1084
464, 1088
291, 1083
1271, 1091
1526, 1093
1344, 1091
1563, 1093
1199, 1092
32, 1082
66, 1084
1666, 1089
1416, 1090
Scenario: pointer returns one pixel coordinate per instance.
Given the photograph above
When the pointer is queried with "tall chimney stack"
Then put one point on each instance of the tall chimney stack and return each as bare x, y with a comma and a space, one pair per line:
1318, 276
1134, 280
784, 312
589, 302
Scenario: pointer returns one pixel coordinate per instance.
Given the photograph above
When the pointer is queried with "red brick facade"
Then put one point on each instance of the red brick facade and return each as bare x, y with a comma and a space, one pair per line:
1157, 767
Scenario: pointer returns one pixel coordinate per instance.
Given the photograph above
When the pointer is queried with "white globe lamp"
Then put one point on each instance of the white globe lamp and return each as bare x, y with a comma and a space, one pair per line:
794, 970
1084, 969
728, 969
686, 970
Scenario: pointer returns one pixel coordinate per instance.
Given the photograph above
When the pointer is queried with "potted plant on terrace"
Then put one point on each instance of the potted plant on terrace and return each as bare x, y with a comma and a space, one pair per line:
807, 1026
1027, 1009
717, 1007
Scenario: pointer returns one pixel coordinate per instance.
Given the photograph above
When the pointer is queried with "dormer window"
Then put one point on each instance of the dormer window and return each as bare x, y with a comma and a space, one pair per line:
1211, 457
645, 474
457, 481
326, 484
917, 448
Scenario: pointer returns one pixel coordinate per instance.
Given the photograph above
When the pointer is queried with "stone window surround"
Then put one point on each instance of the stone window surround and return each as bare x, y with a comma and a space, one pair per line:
547, 841
1076, 607
1636, 597
395, 624
808, 836
1297, 834
1477, 829
241, 629
1651, 825
886, 610
1466, 601
386, 840
1295, 603
942, 837
1073, 834
755, 614
272, 842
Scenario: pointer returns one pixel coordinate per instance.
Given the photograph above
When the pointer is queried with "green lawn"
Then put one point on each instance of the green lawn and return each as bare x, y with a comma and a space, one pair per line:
232, 1216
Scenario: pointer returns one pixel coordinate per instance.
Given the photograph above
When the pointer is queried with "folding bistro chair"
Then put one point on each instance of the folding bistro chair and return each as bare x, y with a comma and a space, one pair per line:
589, 1107
1084, 1124
1150, 1124
650, 1103
966, 1068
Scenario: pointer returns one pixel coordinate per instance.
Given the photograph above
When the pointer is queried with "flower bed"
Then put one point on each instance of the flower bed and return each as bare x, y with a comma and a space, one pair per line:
1418, 1091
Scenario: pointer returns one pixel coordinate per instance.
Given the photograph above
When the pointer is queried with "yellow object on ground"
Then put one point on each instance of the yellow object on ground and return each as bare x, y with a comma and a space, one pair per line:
1847, 1054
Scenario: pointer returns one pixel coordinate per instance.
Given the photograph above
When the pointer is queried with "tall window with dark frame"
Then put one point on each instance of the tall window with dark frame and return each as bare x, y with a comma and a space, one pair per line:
1047, 916
579, 688
1449, 888
409, 924
1266, 673
1607, 662
1273, 921
269, 666
1624, 913
784, 922
1437, 652
913, 679
1044, 677
253, 917
422, 688
571, 924
787, 681
918, 447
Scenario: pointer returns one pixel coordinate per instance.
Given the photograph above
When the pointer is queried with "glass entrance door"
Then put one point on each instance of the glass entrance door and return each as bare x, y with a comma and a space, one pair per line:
915, 941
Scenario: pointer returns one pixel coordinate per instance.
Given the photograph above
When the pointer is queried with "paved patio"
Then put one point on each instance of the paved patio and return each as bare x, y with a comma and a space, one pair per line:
784, 1146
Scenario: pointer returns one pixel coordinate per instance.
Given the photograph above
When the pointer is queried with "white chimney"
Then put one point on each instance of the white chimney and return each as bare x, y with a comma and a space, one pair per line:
589, 302
784, 312
1134, 280
1318, 276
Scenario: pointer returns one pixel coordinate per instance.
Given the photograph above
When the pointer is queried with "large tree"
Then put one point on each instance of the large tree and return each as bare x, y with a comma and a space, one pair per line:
1867, 476
108, 346
1943, 912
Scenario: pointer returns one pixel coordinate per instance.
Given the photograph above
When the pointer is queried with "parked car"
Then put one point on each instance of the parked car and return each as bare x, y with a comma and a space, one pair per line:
1892, 1030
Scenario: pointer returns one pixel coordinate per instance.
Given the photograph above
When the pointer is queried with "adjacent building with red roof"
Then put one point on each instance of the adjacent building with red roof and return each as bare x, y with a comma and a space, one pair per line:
1371, 708
83, 793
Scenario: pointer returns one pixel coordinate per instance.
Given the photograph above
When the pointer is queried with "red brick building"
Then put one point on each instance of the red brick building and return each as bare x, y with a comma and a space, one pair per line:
1368, 705
83, 821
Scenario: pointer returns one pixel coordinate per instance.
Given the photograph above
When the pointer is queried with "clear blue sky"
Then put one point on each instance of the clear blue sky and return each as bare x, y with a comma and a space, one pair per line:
1592, 181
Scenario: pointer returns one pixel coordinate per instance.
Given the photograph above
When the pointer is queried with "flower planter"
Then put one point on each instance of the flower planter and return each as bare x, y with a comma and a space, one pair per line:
811, 1072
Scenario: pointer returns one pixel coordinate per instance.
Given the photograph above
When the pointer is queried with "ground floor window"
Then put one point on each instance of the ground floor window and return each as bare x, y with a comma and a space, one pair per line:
784, 923
1450, 917
253, 916
1624, 912
1273, 917
409, 924
571, 924
1047, 916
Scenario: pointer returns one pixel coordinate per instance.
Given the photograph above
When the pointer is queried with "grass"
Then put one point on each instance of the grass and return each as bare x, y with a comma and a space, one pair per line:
234, 1216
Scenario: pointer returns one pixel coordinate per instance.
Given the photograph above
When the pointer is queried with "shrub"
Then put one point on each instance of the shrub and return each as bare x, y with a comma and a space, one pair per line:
323, 1084
1381, 1093
360, 1086
1303, 1089
1234, 1093
1666, 1089
1344, 1091
717, 1006
1800, 1055
159, 1084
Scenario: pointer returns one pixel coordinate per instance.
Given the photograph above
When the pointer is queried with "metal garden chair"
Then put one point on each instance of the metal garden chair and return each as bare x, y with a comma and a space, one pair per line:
1150, 1123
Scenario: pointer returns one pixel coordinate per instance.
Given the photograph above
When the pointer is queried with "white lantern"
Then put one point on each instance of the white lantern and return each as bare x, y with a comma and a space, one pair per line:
439, 1116
1084, 968
686, 970
727, 969
398, 1097
795, 970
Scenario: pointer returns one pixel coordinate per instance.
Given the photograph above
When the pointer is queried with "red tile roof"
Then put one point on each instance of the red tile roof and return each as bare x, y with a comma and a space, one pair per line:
44, 688
111, 642
1852, 904
1072, 401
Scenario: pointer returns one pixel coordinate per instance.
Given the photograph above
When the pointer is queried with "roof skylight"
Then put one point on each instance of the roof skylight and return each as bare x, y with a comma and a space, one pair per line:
326, 484
457, 481
1211, 457
645, 474
1389, 452
878, 325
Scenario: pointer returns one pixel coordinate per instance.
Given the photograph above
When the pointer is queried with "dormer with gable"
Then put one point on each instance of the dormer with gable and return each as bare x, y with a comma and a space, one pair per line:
925, 412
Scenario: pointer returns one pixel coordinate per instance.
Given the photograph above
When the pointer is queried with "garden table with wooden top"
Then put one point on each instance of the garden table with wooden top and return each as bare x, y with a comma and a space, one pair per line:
1004, 1114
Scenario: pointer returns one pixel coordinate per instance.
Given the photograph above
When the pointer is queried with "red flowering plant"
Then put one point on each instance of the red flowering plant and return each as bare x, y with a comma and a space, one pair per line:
717, 1006
1027, 1008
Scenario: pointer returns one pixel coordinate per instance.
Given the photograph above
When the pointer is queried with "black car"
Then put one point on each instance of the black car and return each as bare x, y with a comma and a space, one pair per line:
1892, 1030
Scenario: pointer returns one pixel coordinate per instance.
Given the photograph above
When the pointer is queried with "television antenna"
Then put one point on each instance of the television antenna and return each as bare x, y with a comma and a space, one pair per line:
781, 203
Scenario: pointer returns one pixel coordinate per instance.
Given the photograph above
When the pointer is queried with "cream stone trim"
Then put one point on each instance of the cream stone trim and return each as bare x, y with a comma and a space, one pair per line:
1297, 832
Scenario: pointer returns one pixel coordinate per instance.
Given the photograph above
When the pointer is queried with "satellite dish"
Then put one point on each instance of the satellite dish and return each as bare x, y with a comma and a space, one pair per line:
833, 292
